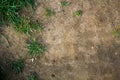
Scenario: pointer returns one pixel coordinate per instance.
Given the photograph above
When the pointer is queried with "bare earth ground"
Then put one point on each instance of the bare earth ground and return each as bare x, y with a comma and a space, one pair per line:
77, 48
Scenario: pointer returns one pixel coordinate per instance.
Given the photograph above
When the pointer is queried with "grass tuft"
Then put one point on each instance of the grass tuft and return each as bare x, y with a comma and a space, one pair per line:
17, 66
78, 13
35, 49
9, 10
36, 26
64, 3
49, 12
10, 14
28, 27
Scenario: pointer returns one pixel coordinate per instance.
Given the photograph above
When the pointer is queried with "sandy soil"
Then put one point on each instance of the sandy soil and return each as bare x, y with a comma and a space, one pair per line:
77, 48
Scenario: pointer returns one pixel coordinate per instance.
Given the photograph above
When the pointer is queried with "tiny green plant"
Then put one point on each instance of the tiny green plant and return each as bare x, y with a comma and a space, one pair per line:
64, 3
49, 12
78, 13
35, 49
115, 33
33, 76
17, 66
